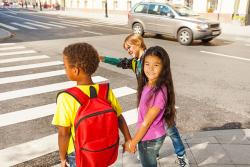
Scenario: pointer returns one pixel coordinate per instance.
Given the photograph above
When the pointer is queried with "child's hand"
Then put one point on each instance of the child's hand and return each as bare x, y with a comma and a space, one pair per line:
132, 147
64, 163
101, 58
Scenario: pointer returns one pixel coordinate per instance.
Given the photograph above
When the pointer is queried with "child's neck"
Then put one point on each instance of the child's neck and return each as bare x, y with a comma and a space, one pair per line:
141, 51
85, 80
151, 83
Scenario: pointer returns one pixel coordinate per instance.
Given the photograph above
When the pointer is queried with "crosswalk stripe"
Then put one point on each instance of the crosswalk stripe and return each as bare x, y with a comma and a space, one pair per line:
23, 59
69, 25
41, 89
23, 152
7, 44
30, 66
12, 48
92, 32
37, 25
76, 23
24, 26
123, 91
8, 26
17, 52
130, 116
49, 24
46, 110
31, 76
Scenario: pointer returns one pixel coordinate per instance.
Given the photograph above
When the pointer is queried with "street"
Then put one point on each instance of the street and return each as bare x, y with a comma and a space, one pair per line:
211, 80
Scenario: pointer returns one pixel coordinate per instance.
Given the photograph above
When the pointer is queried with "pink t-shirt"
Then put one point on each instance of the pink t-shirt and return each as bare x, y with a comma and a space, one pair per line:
158, 99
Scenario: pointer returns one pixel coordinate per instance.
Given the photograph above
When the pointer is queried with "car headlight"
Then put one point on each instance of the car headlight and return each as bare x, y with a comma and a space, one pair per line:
202, 26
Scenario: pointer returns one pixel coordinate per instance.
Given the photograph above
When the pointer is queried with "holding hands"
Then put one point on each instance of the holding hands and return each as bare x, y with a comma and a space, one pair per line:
129, 146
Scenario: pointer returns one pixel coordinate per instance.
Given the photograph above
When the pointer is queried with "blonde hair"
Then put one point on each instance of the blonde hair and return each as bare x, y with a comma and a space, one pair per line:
135, 39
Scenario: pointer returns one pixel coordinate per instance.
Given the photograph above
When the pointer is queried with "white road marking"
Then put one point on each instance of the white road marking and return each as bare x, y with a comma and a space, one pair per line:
92, 32
30, 66
42, 89
131, 116
26, 151
37, 25
17, 52
53, 25
227, 56
47, 110
7, 44
123, 91
64, 24
24, 26
75, 23
31, 76
23, 59
12, 48
8, 26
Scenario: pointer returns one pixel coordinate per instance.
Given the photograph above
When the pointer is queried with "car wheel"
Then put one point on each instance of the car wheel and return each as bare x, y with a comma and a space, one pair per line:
207, 40
138, 29
185, 36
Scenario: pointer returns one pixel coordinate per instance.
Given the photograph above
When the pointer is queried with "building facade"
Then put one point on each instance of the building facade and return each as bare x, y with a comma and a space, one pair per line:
221, 10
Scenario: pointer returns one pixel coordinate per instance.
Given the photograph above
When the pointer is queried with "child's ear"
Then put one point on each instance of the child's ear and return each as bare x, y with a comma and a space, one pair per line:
76, 70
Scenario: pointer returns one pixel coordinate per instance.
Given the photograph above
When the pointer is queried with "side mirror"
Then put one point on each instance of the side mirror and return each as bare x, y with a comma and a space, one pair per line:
171, 15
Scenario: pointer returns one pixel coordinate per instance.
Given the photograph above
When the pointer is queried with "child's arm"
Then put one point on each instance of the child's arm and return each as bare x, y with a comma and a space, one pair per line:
63, 142
124, 63
148, 120
124, 128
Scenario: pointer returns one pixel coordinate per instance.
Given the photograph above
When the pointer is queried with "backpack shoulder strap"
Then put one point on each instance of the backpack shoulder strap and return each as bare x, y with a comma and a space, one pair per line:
78, 95
103, 91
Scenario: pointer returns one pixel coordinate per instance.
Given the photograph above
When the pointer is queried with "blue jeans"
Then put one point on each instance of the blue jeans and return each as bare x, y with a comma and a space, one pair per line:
72, 159
176, 140
148, 151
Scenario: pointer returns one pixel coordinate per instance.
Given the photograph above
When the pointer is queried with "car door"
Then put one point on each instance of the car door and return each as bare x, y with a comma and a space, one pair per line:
167, 23
140, 14
152, 17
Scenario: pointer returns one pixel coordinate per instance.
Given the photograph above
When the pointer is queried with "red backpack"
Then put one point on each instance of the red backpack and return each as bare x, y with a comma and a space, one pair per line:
96, 128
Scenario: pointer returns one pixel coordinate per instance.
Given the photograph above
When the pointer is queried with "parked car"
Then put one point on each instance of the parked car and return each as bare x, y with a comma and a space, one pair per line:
175, 21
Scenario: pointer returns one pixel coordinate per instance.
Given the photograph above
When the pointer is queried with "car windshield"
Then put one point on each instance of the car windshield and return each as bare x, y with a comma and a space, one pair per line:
184, 11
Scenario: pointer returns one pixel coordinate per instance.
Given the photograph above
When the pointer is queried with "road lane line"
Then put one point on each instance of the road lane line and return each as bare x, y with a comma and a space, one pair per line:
24, 58
8, 26
30, 66
75, 23
17, 52
42, 89
12, 48
37, 25
47, 110
223, 55
123, 91
31, 76
24, 26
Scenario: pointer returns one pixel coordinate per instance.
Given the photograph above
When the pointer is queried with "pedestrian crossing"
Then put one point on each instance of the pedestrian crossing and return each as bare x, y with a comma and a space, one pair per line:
36, 147
60, 23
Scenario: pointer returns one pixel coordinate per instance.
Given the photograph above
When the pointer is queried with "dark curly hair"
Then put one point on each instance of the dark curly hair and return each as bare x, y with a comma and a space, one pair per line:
83, 56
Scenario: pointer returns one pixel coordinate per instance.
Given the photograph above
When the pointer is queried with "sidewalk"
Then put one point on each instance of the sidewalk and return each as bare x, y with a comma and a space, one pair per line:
219, 148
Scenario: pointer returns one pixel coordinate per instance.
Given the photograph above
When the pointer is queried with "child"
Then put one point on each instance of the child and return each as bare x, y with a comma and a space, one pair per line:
136, 47
80, 61
156, 104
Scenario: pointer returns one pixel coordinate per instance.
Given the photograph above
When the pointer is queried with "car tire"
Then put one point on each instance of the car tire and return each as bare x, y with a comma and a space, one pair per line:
207, 40
138, 29
185, 36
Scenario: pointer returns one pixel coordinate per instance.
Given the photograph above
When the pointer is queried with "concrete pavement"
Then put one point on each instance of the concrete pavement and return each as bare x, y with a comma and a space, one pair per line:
4, 34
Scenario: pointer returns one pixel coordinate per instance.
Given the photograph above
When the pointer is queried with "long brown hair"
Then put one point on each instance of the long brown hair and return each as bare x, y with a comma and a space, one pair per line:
165, 79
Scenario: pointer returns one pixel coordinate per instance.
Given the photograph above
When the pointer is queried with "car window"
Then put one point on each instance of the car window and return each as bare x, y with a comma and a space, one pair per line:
153, 9
165, 10
143, 8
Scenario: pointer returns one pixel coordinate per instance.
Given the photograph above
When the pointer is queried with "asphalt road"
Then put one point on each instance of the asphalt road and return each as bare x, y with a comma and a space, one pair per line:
212, 82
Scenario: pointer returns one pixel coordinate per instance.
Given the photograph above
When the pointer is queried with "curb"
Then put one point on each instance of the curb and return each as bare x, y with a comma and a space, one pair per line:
4, 34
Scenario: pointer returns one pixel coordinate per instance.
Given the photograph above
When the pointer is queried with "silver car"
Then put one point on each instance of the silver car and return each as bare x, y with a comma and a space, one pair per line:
175, 21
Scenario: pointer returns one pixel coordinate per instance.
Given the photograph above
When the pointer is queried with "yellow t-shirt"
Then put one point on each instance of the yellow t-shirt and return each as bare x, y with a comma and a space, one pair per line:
67, 108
